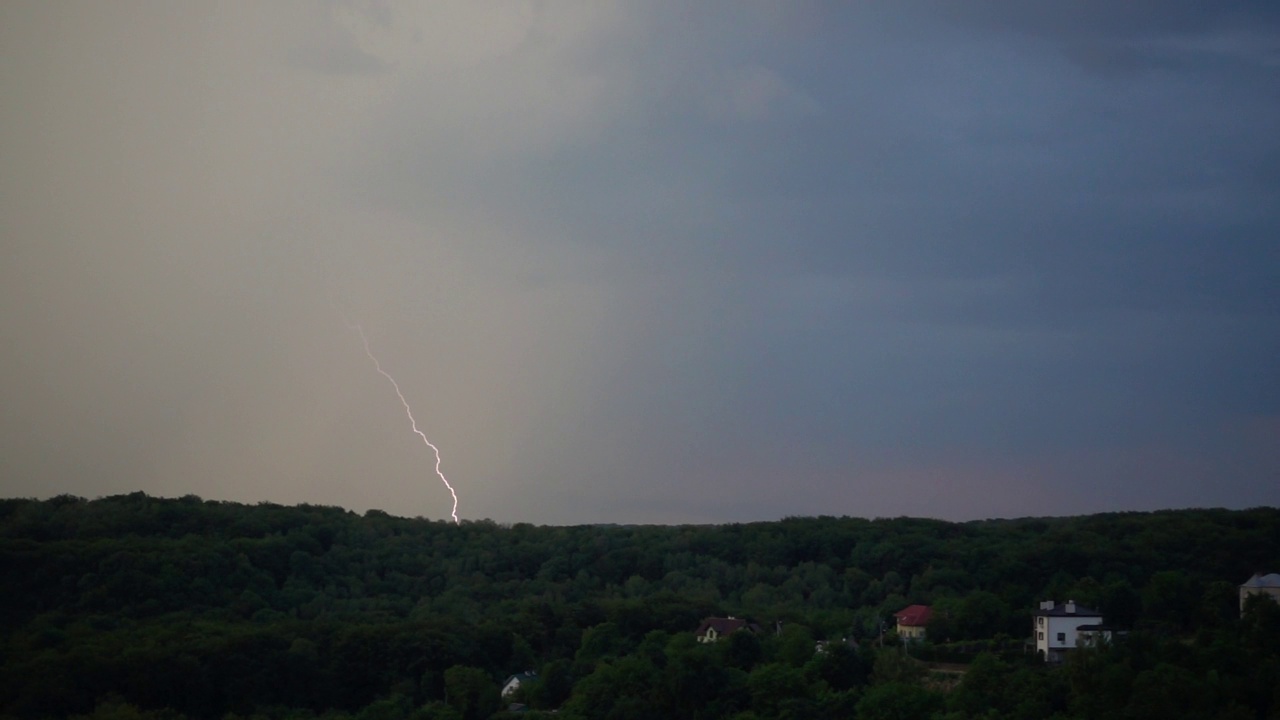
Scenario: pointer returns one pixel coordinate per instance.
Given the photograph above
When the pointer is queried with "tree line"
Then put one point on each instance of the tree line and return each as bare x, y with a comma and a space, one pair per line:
146, 607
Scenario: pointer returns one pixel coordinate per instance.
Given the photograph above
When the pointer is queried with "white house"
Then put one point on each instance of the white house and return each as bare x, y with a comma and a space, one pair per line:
1062, 627
1260, 584
513, 683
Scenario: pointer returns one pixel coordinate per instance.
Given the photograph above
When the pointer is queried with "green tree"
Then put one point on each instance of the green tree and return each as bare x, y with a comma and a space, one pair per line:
471, 692
982, 615
982, 688
742, 650
894, 666
1120, 604
898, 701
1171, 599
522, 655
601, 641
795, 645
114, 708
436, 711
1167, 691
553, 686
771, 684
594, 695
839, 666
390, 708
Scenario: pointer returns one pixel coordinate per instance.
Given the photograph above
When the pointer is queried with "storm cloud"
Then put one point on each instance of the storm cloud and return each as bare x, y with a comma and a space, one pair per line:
638, 262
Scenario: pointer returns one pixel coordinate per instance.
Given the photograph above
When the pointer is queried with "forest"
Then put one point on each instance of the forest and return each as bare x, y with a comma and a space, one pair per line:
134, 606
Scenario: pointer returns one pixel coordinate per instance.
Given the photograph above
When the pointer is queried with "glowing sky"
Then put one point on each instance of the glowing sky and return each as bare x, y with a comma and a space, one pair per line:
637, 262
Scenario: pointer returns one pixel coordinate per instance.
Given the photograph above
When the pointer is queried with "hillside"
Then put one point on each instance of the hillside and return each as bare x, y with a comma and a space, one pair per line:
134, 604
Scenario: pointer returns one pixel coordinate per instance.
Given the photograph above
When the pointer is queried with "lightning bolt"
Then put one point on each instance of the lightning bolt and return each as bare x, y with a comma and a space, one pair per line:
407, 411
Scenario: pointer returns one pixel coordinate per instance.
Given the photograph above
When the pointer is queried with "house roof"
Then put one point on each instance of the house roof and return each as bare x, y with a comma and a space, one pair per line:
523, 677
1061, 610
914, 615
1259, 580
722, 626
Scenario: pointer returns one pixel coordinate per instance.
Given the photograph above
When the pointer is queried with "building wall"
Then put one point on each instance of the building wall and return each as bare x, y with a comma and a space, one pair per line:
1245, 592
1093, 638
1055, 634
911, 632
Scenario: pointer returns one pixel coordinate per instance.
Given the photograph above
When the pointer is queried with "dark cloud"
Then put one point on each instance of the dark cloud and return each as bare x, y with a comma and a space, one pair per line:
965, 260
1101, 19
1109, 38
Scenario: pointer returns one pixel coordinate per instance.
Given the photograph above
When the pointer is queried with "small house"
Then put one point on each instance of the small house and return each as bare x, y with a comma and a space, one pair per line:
1260, 584
714, 628
912, 621
513, 683
1062, 627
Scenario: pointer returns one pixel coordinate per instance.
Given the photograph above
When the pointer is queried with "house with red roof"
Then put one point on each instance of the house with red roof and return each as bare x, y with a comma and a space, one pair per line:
912, 621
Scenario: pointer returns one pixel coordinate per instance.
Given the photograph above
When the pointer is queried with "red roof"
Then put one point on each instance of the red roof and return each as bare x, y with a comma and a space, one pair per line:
914, 616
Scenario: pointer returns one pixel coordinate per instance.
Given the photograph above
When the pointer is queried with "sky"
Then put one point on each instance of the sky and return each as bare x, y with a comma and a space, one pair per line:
644, 262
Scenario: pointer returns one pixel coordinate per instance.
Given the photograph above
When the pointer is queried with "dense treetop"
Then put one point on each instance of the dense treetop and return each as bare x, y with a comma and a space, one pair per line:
135, 604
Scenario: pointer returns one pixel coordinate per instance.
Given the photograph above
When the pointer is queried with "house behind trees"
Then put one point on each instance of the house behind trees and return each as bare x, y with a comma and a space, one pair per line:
1260, 584
714, 628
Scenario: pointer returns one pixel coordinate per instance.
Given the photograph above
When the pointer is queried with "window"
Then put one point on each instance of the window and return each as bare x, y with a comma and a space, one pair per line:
1062, 637
1040, 635
1040, 621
